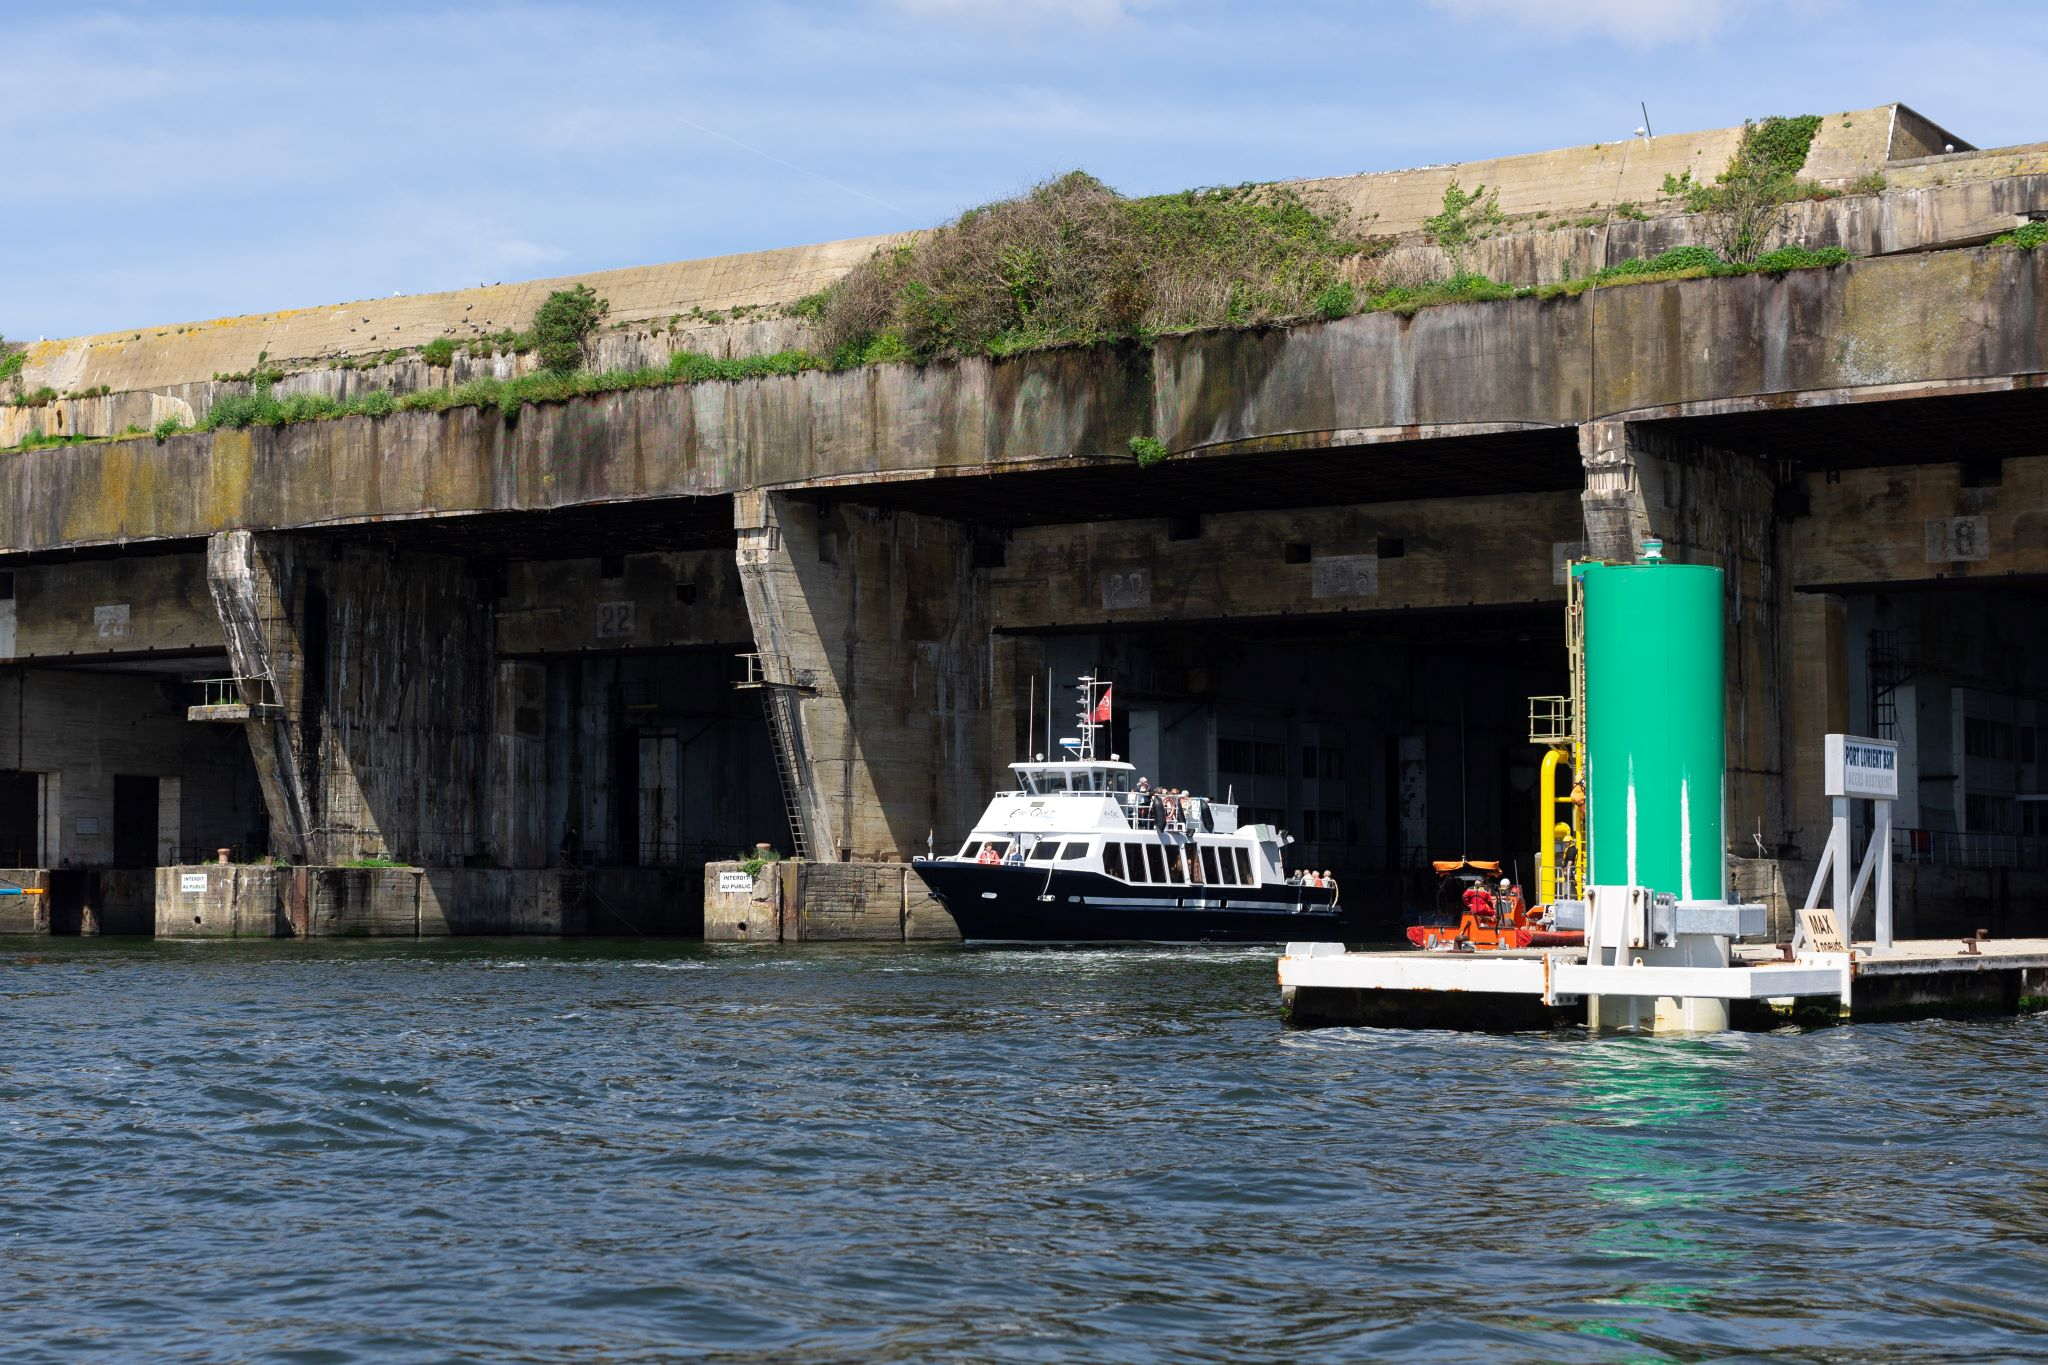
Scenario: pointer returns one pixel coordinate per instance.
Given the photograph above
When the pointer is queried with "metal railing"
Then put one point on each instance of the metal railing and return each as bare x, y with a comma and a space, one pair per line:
1952, 848
1550, 720
256, 692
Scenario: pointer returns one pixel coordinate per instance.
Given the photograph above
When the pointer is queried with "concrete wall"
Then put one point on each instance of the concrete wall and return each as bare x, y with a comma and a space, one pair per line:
1373, 377
825, 903
25, 914
407, 902
128, 607
82, 730
1908, 523
681, 598
1389, 556
231, 901
877, 624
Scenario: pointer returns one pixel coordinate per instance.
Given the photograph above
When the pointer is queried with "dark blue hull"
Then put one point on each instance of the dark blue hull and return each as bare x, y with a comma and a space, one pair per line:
1010, 904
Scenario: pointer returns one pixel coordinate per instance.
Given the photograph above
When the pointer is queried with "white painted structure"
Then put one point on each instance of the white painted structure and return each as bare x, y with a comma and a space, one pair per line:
1857, 768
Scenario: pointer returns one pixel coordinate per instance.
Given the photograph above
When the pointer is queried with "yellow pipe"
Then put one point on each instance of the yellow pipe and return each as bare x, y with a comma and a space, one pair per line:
1546, 817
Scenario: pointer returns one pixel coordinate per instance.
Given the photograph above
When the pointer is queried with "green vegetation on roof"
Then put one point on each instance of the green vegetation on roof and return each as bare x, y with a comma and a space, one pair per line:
1073, 262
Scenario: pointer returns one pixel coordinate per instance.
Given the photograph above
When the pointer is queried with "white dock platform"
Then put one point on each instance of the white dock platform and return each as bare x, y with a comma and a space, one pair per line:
1321, 984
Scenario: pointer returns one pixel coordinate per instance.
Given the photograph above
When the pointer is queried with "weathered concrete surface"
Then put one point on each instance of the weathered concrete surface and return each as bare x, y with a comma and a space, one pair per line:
125, 607
673, 599
1446, 552
1889, 325
25, 914
814, 902
874, 623
227, 901
1908, 523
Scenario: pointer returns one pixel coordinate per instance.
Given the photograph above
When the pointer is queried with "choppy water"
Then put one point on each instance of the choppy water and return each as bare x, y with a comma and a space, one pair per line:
514, 1151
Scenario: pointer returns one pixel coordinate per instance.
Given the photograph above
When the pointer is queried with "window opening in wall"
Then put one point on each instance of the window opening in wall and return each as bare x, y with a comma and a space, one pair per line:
6, 587
1184, 527
686, 593
1296, 552
612, 566
1391, 547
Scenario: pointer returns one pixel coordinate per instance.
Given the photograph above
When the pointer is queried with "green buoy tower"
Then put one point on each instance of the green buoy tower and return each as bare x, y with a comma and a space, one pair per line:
1656, 737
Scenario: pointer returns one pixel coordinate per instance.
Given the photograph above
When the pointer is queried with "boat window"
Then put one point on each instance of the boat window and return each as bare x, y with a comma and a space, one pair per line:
1045, 850
1155, 856
1177, 864
1075, 849
1209, 865
1134, 863
999, 847
970, 848
1244, 867
1113, 859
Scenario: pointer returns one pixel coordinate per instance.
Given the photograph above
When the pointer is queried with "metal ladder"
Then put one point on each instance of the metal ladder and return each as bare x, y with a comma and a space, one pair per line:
777, 702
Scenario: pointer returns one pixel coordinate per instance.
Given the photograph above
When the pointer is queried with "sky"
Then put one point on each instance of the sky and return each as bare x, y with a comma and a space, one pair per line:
171, 162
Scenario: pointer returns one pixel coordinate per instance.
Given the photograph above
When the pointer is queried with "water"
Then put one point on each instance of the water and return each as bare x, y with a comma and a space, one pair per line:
516, 1151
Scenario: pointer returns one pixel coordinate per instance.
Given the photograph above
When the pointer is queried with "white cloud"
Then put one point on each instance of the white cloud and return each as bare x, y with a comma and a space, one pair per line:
1636, 21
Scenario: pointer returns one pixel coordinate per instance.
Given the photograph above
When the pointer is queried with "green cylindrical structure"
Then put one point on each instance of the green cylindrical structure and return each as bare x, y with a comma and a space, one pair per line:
1656, 738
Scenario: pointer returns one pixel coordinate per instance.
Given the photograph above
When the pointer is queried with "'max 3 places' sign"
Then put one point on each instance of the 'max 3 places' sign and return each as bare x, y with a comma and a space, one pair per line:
1857, 766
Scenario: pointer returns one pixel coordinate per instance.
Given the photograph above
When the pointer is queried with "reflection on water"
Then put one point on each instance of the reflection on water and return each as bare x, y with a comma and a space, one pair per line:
516, 1151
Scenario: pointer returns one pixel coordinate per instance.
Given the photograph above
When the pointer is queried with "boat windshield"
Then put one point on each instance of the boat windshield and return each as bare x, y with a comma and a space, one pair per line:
1059, 778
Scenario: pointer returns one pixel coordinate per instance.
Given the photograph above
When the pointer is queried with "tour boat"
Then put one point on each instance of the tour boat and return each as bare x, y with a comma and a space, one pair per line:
1074, 853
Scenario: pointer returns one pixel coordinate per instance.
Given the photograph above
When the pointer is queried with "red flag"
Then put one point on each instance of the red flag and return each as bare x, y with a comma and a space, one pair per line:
1102, 707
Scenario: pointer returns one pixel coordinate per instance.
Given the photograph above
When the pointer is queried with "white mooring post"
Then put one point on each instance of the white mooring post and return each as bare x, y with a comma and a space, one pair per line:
1858, 769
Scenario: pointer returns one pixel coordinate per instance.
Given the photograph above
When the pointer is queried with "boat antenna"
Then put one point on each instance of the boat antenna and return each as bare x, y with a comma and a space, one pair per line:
1030, 718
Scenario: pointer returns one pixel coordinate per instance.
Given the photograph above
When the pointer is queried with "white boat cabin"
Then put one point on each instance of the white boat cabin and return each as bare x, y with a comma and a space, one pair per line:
1086, 815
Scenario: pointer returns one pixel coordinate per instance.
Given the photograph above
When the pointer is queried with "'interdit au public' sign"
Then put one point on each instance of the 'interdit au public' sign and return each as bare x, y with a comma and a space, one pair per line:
1862, 767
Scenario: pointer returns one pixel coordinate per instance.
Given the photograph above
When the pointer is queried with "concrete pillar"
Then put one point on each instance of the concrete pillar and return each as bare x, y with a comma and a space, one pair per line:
1819, 705
877, 622
516, 778
369, 677
1622, 495
251, 590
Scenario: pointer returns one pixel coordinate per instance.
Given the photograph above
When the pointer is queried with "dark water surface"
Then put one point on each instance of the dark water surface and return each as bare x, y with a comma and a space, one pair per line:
522, 1151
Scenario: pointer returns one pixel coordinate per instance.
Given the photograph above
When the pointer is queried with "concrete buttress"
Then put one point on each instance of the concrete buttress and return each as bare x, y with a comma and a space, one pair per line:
245, 580
877, 624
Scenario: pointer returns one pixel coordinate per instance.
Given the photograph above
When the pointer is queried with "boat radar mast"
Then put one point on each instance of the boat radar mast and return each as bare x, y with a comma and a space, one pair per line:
1094, 714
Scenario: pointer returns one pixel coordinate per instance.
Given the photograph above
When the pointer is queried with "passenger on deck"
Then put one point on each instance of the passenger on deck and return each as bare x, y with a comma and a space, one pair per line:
1330, 881
1015, 857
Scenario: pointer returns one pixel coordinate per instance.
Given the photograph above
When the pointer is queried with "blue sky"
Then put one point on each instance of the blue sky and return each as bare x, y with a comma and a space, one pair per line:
180, 161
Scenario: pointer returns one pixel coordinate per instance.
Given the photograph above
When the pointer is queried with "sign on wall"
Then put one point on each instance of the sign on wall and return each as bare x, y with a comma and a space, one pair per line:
1126, 589
1953, 538
1856, 766
735, 884
1344, 576
191, 883
615, 620
111, 622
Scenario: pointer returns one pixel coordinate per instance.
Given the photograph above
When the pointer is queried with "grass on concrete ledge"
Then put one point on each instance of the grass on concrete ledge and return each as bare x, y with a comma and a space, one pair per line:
2025, 238
264, 408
